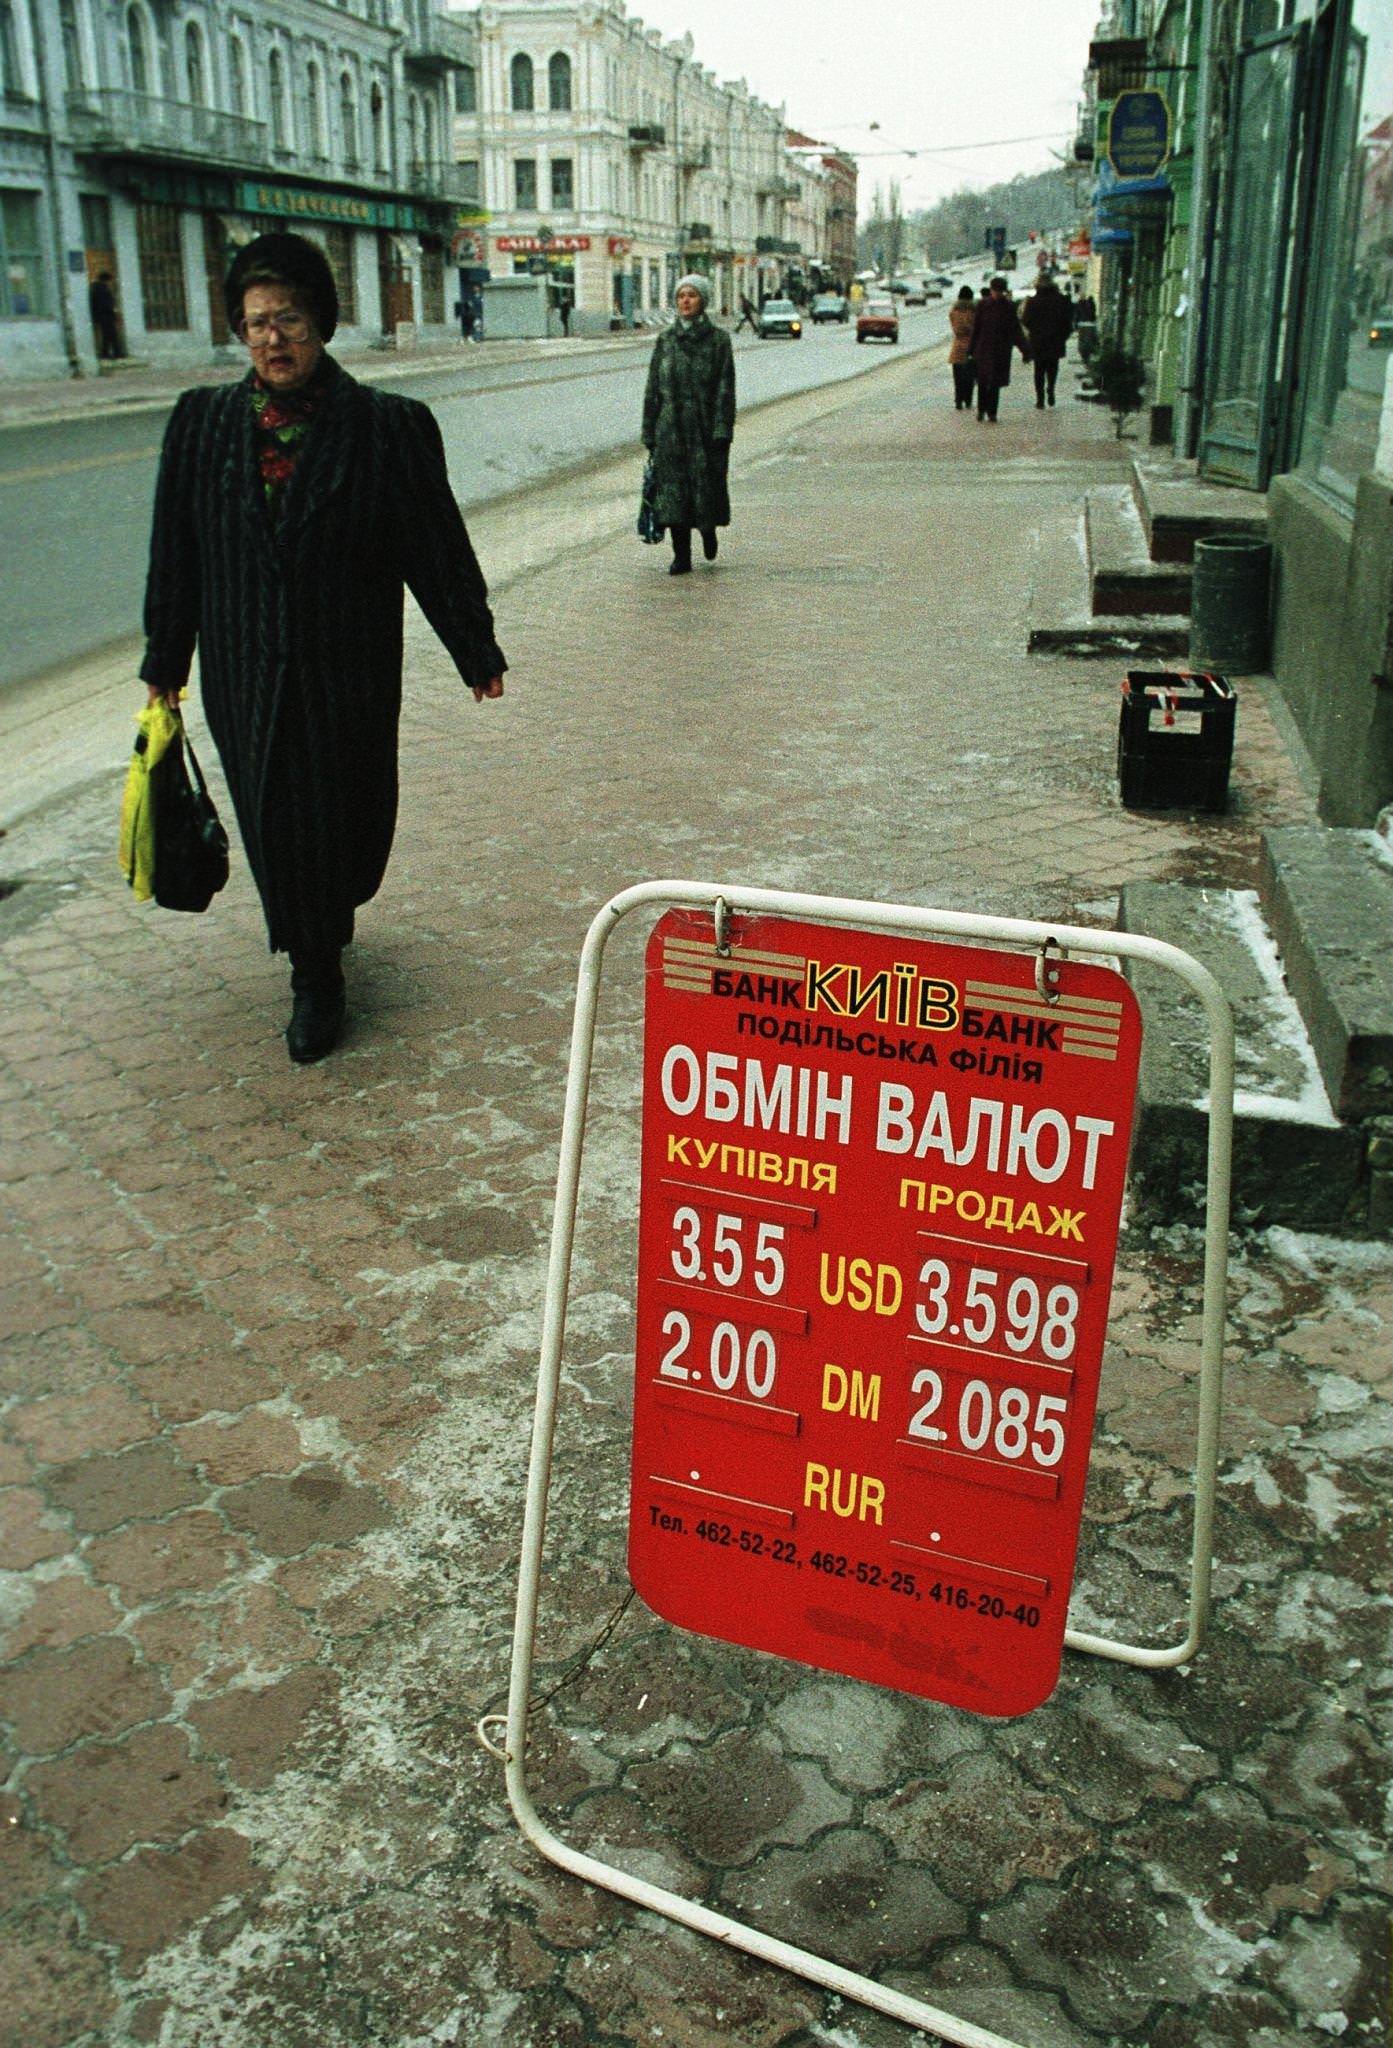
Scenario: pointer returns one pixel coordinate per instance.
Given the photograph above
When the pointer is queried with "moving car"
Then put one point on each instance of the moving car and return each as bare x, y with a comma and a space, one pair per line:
1381, 330
828, 306
780, 316
878, 321
918, 295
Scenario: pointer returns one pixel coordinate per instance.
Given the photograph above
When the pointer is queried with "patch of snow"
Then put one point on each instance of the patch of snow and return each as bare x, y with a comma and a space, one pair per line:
1311, 1104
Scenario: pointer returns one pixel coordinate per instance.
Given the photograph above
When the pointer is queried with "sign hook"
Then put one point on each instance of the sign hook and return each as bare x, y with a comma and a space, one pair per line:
722, 916
1046, 973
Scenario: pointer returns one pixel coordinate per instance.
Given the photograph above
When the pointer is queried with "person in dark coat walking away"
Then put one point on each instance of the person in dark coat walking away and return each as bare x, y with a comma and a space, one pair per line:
996, 330
101, 304
290, 511
748, 316
960, 354
688, 424
1048, 320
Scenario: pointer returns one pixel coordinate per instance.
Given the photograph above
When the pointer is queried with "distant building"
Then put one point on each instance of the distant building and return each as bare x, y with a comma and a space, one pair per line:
148, 139
609, 157
831, 205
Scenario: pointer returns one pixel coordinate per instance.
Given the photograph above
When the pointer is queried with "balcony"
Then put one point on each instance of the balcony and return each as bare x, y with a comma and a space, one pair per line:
439, 44
114, 123
694, 156
774, 245
697, 232
1120, 64
777, 188
647, 135
444, 179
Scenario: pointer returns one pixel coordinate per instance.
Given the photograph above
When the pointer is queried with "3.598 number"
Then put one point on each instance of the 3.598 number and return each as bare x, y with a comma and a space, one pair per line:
1028, 1314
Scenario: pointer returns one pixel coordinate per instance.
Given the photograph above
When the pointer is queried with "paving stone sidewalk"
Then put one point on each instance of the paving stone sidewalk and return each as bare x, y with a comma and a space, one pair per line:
269, 1357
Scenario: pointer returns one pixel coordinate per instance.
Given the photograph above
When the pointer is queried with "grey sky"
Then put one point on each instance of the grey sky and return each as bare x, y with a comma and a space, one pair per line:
933, 73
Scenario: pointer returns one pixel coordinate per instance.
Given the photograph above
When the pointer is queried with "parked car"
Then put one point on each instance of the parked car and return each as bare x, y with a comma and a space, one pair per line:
1381, 330
780, 316
878, 321
900, 286
918, 295
828, 306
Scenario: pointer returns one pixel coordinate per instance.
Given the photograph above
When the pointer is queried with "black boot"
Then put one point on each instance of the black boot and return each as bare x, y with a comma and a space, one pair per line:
318, 1009
708, 542
681, 551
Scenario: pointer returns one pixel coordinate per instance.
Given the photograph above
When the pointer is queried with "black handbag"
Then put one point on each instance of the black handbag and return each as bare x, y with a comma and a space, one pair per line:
190, 844
649, 531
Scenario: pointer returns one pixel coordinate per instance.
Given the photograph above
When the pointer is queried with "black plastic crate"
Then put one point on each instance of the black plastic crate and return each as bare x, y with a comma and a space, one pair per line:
1175, 740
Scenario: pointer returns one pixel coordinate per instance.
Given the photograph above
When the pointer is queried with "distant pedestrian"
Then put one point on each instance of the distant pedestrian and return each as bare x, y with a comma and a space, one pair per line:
464, 313
960, 354
565, 311
748, 317
1048, 320
996, 330
101, 304
291, 509
688, 424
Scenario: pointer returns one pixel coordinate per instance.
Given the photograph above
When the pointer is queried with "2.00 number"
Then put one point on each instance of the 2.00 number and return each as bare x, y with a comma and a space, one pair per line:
729, 1356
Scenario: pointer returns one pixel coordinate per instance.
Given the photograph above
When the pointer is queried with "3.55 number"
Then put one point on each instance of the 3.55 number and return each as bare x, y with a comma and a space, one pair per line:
725, 1256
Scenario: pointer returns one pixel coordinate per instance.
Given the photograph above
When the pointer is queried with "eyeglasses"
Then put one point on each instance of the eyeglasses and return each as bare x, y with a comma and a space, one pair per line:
257, 331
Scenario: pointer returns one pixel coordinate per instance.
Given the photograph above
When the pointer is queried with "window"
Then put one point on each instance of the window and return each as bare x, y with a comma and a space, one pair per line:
525, 184
468, 169
314, 110
22, 292
428, 148
563, 188
275, 73
559, 83
71, 38
348, 120
377, 115
466, 90
338, 247
520, 74
413, 131
137, 56
194, 67
161, 267
237, 75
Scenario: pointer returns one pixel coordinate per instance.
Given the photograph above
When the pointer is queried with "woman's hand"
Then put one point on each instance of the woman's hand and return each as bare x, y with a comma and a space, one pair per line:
159, 696
492, 688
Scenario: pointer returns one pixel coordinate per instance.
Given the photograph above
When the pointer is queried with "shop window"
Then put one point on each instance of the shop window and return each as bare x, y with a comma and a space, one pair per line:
466, 90
432, 281
22, 293
563, 183
339, 243
559, 83
161, 254
520, 75
525, 184
1350, 345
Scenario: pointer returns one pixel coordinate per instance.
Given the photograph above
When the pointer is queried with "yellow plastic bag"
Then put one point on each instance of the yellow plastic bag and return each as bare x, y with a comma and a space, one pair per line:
156, 728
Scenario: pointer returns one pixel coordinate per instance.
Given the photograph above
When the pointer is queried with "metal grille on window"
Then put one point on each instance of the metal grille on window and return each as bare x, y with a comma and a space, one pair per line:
338, 247
161, 267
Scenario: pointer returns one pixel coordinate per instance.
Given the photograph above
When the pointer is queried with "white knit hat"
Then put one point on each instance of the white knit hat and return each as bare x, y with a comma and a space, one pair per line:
693, 281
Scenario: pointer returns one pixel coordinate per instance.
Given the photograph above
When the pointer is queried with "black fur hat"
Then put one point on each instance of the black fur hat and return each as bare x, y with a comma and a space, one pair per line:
293, 261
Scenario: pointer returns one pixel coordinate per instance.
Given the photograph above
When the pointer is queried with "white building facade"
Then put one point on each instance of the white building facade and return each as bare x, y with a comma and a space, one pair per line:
149, 138
607, 155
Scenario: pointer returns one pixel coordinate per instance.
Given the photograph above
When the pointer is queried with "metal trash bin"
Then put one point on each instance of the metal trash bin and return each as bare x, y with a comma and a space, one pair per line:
1175, 740
1229, 604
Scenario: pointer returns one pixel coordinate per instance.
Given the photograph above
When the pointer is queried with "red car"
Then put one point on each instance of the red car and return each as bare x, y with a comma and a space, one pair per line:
878, 321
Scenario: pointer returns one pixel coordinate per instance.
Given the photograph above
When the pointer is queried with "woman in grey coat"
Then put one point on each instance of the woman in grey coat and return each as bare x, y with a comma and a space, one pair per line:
688, 422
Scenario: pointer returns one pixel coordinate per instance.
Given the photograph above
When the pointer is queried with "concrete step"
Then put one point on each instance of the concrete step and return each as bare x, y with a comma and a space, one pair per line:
1328, 895
1123, 579
1177, 508
1062, 619
1294, 1162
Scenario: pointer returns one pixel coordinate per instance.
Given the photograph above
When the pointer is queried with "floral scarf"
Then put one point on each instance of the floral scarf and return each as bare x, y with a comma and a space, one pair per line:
281, 421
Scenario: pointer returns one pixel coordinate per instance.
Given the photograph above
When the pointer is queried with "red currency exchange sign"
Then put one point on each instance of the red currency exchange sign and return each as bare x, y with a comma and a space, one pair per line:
880, 1195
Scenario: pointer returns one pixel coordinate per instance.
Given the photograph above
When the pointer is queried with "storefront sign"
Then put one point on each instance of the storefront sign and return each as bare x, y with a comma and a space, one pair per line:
881, 1183
554, 245
288, 201
620, 245
468, 245
1139, 134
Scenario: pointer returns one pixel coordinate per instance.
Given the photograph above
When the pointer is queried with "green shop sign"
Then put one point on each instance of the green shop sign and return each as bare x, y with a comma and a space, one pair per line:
1139, 134
294, 203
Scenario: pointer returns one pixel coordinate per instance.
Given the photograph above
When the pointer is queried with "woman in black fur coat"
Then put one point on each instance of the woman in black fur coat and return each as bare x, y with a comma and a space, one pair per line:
291, 509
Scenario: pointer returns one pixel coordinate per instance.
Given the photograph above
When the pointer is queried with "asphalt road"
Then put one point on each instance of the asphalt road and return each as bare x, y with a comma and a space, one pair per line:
75, 495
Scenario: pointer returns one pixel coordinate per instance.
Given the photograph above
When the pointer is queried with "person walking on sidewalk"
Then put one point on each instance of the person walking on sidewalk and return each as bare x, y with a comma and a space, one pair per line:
101, 304
688, 423
290, 510
1048, 320
960, 354
748, 317
996, 330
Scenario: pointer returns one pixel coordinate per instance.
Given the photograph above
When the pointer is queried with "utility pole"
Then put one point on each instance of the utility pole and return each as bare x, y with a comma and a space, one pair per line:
55, 196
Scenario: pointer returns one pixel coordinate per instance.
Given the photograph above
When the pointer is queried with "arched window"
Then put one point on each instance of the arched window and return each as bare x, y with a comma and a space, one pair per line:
413, 130
137, 53
194, 68
275, 73
72, 45
237, 75
314, 109
378, 117
559, 83
520, 73
428, 149
348, 118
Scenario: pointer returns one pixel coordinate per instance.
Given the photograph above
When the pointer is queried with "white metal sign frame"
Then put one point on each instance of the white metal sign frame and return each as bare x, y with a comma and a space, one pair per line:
1025, 935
